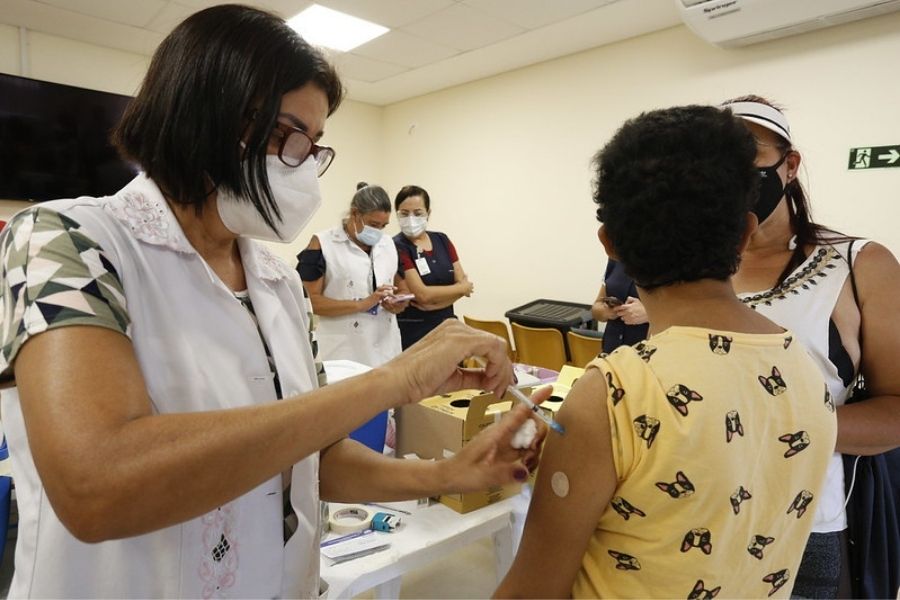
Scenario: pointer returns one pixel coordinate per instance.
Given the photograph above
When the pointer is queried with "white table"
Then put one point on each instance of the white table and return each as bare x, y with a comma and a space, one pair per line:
429, 534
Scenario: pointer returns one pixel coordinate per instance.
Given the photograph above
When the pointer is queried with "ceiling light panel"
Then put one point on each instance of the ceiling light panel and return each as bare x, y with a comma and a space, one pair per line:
390, 13
323, 26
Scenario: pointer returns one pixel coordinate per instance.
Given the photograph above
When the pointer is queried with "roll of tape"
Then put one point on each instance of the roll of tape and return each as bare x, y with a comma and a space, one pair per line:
350, 519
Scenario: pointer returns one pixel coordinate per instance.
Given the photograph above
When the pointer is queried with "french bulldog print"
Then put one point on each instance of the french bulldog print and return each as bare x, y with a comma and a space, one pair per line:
738, 497
733, 425
679, 396
801, 503
697, 538
625, 508
719, 344
646, 428
616, 393
775, 384
680, 488
758, 544
797, 442
645, 350
701, 593
625, 562
829, 401
777, 579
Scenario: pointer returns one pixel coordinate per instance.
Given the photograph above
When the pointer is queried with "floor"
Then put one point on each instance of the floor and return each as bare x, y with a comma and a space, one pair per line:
469, 573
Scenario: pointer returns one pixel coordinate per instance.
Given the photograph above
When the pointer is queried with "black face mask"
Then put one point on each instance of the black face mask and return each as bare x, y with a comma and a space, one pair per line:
771, 190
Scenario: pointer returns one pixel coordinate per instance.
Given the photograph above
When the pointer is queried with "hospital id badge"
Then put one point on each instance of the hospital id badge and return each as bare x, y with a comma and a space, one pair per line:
422, 266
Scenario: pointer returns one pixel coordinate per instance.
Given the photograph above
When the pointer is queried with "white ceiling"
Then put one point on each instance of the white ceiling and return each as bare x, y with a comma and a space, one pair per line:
433, 44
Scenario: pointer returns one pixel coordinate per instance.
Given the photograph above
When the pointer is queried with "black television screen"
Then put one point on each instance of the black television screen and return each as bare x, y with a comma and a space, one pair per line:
54, 141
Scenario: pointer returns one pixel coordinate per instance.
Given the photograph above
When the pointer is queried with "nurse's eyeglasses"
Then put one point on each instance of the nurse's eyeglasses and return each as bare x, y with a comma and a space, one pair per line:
295, 145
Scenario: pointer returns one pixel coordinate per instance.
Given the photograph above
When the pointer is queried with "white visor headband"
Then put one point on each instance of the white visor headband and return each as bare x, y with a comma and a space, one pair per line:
763, 115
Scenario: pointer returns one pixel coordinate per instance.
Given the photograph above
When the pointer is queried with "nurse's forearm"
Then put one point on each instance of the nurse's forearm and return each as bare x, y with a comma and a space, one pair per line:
331, 307
351, 472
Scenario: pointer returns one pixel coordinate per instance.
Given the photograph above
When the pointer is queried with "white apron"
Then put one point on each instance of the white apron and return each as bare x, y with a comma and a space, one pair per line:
198, 350
370, 339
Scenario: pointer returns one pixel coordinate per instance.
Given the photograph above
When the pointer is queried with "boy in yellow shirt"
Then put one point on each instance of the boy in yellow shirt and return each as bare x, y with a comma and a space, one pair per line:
692, 461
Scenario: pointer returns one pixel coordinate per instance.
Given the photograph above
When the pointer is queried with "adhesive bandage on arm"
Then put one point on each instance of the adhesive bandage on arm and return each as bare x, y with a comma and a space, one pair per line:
559, 483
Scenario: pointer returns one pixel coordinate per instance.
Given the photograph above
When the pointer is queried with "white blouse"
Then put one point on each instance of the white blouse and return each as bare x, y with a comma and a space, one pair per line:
804, 303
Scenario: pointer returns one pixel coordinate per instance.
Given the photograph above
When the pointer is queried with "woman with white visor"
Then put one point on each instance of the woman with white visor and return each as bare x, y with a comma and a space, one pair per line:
797, 273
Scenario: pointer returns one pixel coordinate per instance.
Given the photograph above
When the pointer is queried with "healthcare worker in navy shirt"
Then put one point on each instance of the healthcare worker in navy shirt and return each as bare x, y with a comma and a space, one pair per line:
618, 305
430, 266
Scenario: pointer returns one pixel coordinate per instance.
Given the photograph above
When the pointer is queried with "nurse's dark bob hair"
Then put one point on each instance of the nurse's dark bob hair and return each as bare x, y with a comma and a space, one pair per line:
217, 77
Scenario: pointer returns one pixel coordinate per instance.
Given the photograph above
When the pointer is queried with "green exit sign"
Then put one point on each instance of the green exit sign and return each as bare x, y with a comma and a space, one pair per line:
874, 157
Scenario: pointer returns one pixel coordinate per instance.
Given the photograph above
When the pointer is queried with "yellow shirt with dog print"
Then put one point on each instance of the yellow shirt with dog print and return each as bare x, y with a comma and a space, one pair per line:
720, 442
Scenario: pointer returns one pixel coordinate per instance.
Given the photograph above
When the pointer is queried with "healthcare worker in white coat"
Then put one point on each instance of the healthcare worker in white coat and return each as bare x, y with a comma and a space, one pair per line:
349, 272
165, 384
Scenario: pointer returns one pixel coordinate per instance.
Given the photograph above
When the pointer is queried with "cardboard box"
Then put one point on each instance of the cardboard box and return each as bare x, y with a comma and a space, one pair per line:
568, 375
438, 427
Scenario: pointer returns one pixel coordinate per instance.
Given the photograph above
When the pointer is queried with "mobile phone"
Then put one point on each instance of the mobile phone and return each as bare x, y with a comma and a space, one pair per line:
611, 301
402, 297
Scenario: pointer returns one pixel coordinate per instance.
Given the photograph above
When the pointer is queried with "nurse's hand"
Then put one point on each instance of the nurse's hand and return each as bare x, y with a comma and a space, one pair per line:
489, 459
431, 366
394, 306
376, 297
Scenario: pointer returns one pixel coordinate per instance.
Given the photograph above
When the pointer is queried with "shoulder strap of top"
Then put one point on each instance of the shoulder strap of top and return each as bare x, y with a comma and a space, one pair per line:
852, 276
401, 241
445, 241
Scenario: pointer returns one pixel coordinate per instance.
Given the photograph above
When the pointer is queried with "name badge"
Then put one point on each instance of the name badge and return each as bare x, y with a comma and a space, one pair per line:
422, 266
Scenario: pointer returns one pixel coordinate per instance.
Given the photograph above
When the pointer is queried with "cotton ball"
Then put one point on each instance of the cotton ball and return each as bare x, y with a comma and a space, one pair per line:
525, 435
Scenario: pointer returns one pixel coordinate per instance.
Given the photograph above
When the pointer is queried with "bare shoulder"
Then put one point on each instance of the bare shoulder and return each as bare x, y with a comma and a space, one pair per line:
586, 402
876, 265
875, 255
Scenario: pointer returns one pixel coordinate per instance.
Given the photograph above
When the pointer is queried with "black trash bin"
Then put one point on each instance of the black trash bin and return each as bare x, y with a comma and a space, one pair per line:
557, 314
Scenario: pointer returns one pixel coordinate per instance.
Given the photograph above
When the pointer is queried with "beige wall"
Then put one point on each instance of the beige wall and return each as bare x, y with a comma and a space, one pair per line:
354, 131
9, 49
506, 159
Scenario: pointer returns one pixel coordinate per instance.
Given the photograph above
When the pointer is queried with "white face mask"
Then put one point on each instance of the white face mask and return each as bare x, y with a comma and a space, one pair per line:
295, 191
369, 235
413, 226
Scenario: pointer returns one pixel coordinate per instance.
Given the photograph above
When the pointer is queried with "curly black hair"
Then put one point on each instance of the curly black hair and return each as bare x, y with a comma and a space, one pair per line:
673, 188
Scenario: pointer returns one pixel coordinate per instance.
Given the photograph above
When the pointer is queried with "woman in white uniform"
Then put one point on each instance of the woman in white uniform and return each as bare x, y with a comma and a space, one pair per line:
165, 379
349, 272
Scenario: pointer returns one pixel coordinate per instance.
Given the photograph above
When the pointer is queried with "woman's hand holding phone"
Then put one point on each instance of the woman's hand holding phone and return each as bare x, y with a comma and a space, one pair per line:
399, 298
397, 303
611, 301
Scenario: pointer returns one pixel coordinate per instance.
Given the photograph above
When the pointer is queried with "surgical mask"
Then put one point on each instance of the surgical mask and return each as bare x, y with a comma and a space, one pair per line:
413, 225
369, 235
295, 191
771, 190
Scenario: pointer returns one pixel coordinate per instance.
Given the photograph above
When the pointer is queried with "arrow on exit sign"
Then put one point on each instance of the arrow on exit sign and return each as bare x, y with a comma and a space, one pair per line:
874, 157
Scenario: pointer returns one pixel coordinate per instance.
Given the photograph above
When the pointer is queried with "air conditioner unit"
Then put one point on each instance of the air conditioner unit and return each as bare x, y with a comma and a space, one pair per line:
730, 23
